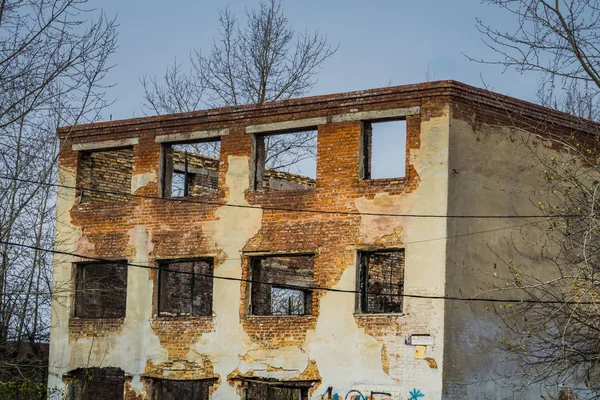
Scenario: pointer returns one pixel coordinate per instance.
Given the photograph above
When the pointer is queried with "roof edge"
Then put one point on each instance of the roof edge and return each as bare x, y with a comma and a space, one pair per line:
426, 89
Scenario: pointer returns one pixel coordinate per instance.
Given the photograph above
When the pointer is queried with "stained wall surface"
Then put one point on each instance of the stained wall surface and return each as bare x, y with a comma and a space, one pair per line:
331, 350
494, 170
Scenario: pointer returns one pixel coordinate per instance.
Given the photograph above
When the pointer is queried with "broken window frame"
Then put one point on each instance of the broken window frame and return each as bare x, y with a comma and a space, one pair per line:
254, 288
259, 156
168, 167
162, 287
362, 282
81, 291
158, 386
84, 375
366, 149
301, 386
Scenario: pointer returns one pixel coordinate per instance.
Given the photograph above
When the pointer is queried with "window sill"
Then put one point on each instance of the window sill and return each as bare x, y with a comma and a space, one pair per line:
181, 317
306, 316
97, 318
188, 198
298, 190
384, 181
371, 315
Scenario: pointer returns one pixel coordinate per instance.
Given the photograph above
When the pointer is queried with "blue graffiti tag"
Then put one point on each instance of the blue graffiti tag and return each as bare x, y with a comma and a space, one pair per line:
415, 394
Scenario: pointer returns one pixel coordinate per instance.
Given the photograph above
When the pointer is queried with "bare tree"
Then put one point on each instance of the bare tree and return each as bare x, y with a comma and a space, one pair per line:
559, 39
53, 57
261, 61
556, 340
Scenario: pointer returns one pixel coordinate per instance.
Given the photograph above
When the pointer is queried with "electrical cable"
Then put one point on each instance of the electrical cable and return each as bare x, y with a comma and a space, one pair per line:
296, 287
274, 208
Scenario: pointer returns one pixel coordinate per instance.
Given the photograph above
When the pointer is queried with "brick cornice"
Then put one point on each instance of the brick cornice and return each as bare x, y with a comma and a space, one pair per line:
324, 105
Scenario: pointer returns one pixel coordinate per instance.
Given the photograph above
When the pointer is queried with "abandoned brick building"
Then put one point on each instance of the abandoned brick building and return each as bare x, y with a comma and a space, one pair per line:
201, 270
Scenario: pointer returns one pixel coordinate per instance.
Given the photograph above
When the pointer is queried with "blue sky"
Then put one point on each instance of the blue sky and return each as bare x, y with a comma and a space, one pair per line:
380, 41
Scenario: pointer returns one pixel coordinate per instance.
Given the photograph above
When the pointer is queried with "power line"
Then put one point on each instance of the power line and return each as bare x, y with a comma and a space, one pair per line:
296, 287
287, 209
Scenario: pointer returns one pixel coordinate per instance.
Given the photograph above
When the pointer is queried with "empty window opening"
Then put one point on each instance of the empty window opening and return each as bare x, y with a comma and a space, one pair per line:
182, 390
273, 296
276, 390
287, 301
96, 384
384, 150
186, 288
105, 174
381, 281
285, 161
191, 169
101, 290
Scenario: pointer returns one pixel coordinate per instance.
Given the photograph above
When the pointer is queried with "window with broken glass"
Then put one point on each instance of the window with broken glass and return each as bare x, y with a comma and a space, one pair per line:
191, 169
165, 389
101, 290
381, 281
185, 287
279, 282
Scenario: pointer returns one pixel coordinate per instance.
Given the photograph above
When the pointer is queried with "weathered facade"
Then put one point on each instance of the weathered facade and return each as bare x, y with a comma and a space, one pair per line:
139, 306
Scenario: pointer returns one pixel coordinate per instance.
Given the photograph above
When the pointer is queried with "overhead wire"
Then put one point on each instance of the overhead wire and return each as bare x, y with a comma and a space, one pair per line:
286, 209
297, 287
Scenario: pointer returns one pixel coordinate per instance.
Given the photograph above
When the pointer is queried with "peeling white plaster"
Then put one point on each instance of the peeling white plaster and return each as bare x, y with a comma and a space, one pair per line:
110, 351
139, 181
344, 353
288, 362
66, 238
231, 230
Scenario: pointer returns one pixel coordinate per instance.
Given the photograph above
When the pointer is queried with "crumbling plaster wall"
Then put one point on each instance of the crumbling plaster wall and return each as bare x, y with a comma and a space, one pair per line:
335, 346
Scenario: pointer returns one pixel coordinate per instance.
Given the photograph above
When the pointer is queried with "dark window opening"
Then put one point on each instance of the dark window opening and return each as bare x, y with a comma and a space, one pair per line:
101, 290
384, 150
182, 390
273, 295
275, 391
97, 384
285, 161
185, 288
381, 281
191, 169
105, 174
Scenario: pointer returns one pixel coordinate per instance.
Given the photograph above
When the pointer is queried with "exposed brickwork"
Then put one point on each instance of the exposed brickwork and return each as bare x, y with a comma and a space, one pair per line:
178, 334
196, 161
107, 171
183, 230
286, 177
94, 327
181, 369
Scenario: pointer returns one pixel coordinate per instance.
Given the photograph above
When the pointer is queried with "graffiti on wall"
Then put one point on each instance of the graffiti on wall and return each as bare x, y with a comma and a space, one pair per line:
355, 395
